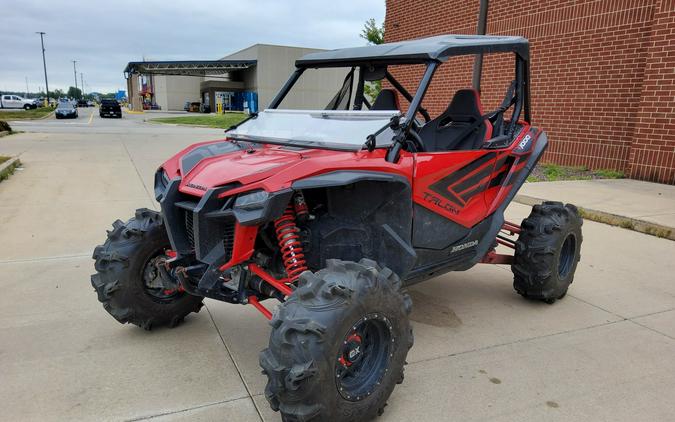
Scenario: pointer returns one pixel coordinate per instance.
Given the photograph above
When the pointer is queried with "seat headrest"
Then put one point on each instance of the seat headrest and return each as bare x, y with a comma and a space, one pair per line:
465, 105
387, 99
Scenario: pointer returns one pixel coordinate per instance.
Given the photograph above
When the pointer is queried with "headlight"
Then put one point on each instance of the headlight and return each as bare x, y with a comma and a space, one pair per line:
161, 182
165, 178
252, 201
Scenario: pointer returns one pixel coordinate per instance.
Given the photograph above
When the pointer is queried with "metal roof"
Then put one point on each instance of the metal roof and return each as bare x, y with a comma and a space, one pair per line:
188, 68
420, 50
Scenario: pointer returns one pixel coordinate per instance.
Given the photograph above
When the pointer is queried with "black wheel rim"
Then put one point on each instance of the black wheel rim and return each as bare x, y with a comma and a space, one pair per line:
567, 252
156, 284
363, 357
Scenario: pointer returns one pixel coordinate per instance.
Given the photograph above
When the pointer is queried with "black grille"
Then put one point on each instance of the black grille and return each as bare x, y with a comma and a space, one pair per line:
228, 240
189, 228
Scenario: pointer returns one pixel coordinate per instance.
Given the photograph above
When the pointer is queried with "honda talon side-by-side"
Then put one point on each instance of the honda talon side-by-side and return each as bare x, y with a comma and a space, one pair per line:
333, 210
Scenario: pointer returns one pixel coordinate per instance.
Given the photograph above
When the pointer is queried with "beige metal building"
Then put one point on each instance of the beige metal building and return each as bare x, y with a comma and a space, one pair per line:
171, 92
257, 72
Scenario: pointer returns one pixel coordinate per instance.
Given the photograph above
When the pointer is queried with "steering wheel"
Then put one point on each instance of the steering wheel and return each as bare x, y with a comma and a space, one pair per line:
414, 137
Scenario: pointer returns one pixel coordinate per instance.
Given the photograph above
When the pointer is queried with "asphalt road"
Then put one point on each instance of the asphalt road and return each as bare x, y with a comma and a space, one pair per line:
604, 353
89, 121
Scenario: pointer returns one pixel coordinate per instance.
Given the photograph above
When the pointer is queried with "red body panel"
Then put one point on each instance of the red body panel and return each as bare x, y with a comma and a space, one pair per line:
463, 186
273, 168
435, 187
243, 246
466, 186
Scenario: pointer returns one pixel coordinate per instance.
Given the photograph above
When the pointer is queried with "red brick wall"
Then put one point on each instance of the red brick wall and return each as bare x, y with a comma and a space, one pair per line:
652, 155
603, 73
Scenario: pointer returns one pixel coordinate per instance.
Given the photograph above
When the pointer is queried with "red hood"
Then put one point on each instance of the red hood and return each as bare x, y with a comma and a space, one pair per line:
244, 166
271, 167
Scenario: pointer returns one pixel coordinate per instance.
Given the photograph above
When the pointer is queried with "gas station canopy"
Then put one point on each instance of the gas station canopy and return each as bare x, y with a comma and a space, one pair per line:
187, 68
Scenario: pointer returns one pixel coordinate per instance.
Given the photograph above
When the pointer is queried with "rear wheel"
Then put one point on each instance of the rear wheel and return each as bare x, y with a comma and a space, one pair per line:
547, 251
338, 344
131, 280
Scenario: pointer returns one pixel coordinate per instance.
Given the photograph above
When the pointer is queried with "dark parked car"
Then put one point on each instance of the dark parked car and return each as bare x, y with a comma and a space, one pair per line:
110, 108
66, 111
82, 103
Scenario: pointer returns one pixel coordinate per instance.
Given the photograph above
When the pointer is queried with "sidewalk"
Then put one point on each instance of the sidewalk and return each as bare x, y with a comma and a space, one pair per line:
631, 202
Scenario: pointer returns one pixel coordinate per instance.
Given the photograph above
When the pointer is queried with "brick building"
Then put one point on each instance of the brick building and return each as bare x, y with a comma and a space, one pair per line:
603, 73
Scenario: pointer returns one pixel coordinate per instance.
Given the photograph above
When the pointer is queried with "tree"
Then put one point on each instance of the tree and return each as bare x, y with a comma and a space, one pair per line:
374, 34
75, 93
57, 93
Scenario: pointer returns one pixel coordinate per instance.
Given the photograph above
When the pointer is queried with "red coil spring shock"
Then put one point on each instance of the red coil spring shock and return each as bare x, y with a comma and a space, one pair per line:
290, 244
300, 206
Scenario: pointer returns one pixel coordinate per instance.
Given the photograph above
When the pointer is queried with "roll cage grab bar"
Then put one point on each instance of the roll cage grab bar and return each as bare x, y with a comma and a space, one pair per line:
403, 125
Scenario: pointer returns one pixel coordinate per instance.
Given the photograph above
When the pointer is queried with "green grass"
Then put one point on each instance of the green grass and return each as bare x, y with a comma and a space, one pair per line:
609, 174
3, 159
554, 172
25, 114
223, 121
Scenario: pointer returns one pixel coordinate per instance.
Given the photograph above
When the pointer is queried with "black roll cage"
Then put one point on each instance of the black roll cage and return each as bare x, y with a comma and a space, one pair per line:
402, 126
522, 91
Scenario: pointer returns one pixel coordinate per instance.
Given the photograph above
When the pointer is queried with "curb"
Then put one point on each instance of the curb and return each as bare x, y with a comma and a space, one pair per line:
7, 168
5, 133
629, 223
44, 117
150, 121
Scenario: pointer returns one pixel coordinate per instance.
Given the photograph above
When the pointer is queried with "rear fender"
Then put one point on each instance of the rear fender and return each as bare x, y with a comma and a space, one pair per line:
521, 169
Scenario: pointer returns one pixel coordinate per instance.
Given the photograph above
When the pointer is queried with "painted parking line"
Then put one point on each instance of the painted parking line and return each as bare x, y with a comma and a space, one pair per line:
91, 117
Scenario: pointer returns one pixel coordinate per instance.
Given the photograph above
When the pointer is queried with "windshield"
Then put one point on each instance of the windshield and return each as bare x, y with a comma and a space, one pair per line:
325, 108
346, 130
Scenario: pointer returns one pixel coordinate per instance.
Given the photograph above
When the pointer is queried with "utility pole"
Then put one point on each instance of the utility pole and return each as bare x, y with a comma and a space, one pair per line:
75, 72
82, 83
44, 62
26, 86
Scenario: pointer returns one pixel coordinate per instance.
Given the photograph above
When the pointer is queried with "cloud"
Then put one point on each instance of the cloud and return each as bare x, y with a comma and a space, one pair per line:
104, 35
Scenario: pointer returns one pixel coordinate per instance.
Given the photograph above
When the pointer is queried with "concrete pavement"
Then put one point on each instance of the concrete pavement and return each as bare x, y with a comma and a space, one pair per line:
635, 199
481, 352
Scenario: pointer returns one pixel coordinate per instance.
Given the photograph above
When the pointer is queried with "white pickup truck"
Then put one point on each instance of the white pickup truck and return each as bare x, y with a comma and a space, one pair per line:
14, 101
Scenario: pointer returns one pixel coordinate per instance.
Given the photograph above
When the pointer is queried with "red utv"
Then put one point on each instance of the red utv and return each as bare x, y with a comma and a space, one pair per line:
333, 212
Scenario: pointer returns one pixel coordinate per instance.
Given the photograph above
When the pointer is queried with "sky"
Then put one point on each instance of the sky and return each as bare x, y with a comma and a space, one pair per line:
103, 36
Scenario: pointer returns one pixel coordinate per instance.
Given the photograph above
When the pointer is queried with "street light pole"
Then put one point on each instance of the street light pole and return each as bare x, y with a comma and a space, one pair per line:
82, 83
44, 62
75, 72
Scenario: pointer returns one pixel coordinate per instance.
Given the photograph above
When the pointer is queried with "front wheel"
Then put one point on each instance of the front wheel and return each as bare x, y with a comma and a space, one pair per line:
338, 344
131, 280
547, 251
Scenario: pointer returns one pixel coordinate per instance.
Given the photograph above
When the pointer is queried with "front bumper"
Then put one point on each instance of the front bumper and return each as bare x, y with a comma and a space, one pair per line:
209, 233
203, 227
